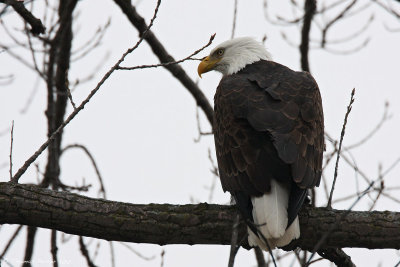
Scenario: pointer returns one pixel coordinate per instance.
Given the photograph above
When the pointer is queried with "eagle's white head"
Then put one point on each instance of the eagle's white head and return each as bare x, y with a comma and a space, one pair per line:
233, 55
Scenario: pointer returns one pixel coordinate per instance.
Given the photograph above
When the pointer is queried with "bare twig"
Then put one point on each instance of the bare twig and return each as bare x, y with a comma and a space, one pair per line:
348, 51
337, 256
170, 63
334, 20
349, 107
350, 162
36, 24
162, 257
11, 147
54, 247
6, 79
33, 54
234, 241
384, 118
70, 97
388, 9
10, 241
92, 43
17, 57
201, 133
309, 11
29, 161
380, 191
31, 96
350, 36
332, 5
30, 241
140, 255
112, 253
234, 18
159, 50
96, 250
85, 253
87, 152
335, 225
79, 81
214, 171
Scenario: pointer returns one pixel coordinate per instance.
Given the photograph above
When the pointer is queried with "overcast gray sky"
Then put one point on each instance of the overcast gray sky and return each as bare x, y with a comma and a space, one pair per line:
141, 125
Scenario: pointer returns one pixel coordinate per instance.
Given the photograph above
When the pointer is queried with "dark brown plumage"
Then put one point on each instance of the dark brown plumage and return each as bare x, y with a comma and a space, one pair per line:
268, 124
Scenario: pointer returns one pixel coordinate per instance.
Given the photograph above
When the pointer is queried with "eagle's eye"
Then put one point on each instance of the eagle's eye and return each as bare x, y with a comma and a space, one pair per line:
220, 52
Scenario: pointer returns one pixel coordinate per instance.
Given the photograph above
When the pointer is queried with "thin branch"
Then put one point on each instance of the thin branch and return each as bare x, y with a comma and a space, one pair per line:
234, 19
31, 96
162, 258
330, 6
11, 148
309, 11
92, 43
140, 255
30, 241
70, 97
79, 81
388, 9
234, 241
349, 107
335, 226
347, 51
17, 57
54, 248
190, 57
334, 20
349, 37
93, 161
159, 50
214, 171
380, 191
85, 253
10, 241
201, 133
36, 24
33, 54
96, 250
6, 79
384, 118
112, 253
29, 161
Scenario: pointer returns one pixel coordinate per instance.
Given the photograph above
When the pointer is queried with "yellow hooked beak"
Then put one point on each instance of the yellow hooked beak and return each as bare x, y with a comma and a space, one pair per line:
206, 65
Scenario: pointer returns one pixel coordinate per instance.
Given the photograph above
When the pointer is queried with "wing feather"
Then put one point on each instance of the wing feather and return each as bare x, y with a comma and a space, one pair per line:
268, 125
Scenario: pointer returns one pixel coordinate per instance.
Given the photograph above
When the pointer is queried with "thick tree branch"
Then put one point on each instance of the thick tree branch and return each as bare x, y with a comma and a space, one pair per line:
162, 54
181, 224
36, 24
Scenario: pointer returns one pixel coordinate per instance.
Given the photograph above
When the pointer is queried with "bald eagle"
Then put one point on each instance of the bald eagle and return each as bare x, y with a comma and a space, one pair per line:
269, 137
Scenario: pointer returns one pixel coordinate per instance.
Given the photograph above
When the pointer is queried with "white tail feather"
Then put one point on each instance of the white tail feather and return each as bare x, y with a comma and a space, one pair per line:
271, 218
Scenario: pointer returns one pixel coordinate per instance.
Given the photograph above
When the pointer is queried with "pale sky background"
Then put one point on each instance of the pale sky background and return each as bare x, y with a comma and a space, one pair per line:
141, 125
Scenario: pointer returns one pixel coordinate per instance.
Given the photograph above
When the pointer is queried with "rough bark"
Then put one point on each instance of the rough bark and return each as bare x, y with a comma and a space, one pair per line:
181, 224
